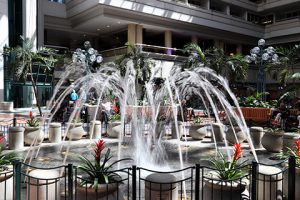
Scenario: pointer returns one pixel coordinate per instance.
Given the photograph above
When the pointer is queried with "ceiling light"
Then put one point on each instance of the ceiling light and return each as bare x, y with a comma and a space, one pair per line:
119, 22
107, 26
98, 29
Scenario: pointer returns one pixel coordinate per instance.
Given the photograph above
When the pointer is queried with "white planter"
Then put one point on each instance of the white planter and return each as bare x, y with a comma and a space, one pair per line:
7, 105
161, 185
114, 128
55, 132
6, 184
272, 142
43, 185
289, 141
97, 129
198, 131
15, 138
33, 134
256, 134
91, 110
104, 191
217, 131
75, 131
235, 135
215, 189
269, 185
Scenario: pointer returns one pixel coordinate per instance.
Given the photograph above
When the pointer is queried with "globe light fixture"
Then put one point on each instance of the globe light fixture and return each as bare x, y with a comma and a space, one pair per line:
87, 56
261, 56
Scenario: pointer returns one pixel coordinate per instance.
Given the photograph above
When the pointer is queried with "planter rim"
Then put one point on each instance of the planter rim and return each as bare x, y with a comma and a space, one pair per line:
55, 125
16, 128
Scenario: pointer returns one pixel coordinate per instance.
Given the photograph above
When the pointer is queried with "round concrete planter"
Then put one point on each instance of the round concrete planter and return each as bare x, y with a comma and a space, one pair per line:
113, 129
180, 130
6, 183
33, 134
235, 135
75, 131
216, 189
7, 105
97, 129
197, 131
269, 185
286, 182
272, 141
104, 191
161, 185
55, 132
217, 130
43, 185
256, 135
289, 141
16, 138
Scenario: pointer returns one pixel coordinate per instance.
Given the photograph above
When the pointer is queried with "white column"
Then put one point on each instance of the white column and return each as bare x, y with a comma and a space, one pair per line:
29, 20
139, 34
3, 40
168, 41
131, 33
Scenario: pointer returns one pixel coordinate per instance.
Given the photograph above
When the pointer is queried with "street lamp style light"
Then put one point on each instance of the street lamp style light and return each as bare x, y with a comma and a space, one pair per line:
87, 57
261, 56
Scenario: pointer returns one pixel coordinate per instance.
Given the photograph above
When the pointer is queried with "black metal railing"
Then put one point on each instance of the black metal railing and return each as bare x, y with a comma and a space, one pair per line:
261, 181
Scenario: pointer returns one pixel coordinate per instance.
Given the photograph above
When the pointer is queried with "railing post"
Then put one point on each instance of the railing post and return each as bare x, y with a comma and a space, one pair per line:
292, 180
133, 182
197, 183
254, 180
14, 121
70, 181
17, 175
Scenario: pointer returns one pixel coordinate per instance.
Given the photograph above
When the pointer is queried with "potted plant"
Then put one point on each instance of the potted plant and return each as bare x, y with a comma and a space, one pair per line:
33, 133
98, 179
194, 131
228, 179
6, 172
272, 140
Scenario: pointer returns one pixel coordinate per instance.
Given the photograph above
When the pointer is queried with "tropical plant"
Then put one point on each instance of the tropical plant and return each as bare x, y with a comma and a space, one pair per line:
296, 152
141, 64
197, 120
6, 159
25, 56
98, 171
234, 66
32, 121
196, 55
254, 101
229, 170
284, 69
115, 117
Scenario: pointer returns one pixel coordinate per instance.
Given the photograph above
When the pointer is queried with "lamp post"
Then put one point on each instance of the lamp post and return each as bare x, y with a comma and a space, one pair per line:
261, 56
87, 57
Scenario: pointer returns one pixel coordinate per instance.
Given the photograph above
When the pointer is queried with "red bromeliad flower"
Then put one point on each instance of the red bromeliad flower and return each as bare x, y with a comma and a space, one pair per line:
30, 115
237, 152
2, 138
98, 149
298, 148
275, 123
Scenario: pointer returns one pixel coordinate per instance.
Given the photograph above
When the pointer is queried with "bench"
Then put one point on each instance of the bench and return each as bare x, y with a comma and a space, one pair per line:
260, 115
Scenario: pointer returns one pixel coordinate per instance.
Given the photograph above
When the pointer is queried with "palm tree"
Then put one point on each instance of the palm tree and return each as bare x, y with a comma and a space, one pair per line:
284, 69
196, 55
23, 63
141, 64
234, 66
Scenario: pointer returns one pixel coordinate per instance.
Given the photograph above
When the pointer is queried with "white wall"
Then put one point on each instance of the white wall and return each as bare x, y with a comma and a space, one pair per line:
3, 40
